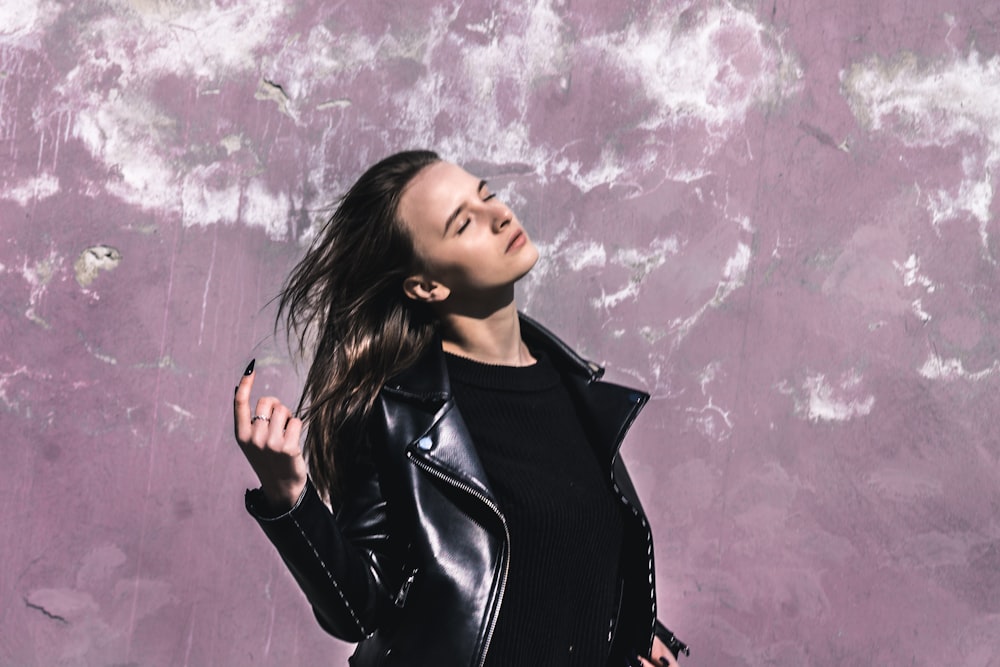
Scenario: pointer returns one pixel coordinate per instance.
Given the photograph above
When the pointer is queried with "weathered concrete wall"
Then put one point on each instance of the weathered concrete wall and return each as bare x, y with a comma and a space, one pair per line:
779, 217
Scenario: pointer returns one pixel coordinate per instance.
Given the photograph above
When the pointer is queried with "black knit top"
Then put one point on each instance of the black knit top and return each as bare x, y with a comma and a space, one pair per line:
565, 525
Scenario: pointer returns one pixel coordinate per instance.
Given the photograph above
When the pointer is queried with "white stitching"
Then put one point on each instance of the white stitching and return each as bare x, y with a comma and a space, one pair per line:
333, 581
649, 552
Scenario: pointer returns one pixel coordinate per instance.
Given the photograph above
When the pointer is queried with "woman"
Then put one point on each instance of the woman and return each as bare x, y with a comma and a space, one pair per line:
482, 514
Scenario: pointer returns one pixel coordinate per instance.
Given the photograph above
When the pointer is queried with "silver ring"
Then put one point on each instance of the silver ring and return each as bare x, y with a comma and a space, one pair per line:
261, 417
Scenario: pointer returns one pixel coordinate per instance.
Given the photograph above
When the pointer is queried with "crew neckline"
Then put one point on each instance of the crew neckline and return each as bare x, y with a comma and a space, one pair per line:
538, 376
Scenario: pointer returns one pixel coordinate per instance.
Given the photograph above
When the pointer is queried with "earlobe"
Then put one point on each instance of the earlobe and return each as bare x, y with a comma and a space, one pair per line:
419, 288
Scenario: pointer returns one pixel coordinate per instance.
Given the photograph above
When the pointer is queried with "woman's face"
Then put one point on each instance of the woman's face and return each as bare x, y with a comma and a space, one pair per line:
468, 241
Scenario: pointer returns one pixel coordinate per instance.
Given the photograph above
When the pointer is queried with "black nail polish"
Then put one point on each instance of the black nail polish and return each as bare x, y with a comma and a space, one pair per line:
236, 390
249, 369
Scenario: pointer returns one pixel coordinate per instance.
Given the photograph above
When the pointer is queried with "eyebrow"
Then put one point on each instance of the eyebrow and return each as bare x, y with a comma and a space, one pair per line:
458, 211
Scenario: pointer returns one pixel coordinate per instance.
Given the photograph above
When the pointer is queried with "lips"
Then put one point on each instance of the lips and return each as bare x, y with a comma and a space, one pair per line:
516, 240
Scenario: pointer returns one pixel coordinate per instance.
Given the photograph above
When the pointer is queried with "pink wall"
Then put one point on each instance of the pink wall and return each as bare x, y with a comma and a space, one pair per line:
778, 217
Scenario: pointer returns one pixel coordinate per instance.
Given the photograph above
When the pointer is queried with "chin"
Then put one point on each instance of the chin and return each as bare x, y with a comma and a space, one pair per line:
529, 255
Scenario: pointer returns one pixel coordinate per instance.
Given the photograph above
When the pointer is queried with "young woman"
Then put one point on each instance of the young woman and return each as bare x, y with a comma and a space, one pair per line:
482, 515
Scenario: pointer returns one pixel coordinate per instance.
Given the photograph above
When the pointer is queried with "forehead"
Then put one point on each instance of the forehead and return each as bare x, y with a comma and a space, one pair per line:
435, 192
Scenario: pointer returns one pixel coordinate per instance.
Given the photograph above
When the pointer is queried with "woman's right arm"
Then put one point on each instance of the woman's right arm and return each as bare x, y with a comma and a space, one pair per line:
344, 565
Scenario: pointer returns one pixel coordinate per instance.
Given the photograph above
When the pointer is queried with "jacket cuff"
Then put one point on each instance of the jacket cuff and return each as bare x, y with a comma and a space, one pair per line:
675, 645
260, 509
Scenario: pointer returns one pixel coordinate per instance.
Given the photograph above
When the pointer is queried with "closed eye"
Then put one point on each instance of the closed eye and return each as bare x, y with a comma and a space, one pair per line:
465, 224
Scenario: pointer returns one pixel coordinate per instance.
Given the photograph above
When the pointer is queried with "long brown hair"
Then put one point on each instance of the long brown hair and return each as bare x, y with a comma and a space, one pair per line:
345, 300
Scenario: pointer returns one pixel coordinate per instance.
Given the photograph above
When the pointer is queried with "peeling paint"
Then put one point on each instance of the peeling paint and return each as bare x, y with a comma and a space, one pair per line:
93, 260
816, 400
709, 62
270, 91
910, 272
949, 101
641, 262
938, 368
734, 275
34, 189
38, 276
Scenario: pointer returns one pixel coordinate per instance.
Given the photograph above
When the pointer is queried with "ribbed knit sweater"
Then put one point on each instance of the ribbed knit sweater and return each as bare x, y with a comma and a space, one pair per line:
565, 526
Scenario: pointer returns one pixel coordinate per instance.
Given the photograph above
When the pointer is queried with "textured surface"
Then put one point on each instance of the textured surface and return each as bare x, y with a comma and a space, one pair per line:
779, 217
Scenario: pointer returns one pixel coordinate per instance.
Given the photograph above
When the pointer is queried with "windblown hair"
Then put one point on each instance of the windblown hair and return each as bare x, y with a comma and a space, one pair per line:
345, 301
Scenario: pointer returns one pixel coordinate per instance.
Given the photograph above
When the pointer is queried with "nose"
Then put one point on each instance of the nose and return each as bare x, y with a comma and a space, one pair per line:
500, 216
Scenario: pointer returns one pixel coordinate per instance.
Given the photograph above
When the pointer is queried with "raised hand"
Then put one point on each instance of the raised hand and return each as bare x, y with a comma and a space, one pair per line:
269, 438
662, 657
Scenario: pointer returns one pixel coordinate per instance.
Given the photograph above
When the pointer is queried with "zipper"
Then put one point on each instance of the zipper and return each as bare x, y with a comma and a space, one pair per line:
637, 405
404, 590
427, 467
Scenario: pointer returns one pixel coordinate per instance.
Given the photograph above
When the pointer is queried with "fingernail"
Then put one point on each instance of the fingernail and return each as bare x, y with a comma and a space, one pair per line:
249, 369
236, 390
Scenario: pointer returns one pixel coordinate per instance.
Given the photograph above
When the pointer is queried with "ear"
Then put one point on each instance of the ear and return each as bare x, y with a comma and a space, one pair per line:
421, 288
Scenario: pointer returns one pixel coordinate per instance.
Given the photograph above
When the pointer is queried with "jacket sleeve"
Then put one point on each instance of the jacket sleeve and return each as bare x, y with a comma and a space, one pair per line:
670, 640
344, 563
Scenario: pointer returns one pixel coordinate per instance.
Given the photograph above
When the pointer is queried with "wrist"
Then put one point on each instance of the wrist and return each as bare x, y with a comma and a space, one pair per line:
282, 497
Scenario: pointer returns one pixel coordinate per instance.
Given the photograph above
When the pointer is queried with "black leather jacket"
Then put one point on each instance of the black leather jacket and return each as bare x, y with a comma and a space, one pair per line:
414, 563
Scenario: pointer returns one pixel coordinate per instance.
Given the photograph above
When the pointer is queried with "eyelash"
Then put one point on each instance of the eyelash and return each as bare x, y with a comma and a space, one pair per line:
465, 224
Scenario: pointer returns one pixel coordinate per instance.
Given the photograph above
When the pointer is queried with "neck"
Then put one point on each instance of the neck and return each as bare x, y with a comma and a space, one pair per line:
492, 338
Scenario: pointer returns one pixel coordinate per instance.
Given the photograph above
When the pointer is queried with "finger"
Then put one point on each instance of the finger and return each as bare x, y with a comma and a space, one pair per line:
241, 404
667, 660
260, 421
276, 429
293, 432
644, 662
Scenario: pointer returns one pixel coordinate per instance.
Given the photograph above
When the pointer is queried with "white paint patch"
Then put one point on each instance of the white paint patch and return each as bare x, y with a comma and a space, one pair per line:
918, 309
910, 272
734, 275
130, 137
641, 261
5, 379
607, 172
204, 200
208, 44
817, 400
937, 368
707, 376
709, 65
585, 254
710, 420
38, 276
943, 103
32, 190
24, 19
266, 209
179, 417
699, 62
708, 62
100, 356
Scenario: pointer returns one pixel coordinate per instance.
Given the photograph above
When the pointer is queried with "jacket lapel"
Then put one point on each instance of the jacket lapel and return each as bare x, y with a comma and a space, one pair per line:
607, 409
435, 434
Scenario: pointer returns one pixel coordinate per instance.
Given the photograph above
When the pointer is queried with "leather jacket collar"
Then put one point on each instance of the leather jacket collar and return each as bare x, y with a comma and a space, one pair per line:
427, 380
